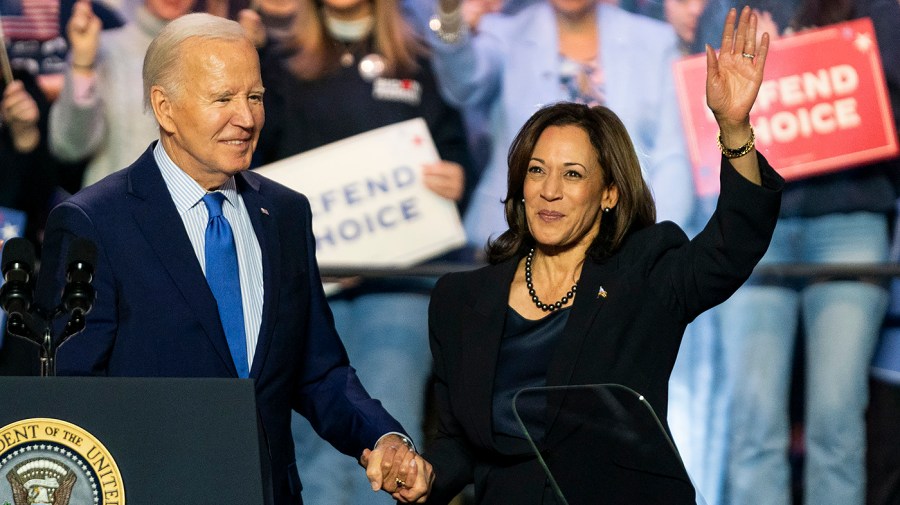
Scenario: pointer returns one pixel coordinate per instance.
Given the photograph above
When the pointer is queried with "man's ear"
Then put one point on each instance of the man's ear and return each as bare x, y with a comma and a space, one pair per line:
161, 101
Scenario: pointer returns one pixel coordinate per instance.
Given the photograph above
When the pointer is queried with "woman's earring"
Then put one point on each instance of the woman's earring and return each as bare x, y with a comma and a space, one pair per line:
606, 210
523, 200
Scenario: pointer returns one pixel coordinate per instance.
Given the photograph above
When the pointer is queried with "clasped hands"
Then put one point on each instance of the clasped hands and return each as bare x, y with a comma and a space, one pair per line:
398, 470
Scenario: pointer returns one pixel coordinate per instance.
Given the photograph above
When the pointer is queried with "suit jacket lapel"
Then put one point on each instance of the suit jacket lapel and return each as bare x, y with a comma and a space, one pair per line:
482, 343
156, 216
270, 245
587, 307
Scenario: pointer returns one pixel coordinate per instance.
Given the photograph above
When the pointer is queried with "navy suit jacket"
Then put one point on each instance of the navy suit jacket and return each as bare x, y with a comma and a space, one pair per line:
155, 316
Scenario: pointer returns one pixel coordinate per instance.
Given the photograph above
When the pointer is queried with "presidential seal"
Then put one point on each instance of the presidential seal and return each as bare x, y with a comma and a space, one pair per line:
53, 462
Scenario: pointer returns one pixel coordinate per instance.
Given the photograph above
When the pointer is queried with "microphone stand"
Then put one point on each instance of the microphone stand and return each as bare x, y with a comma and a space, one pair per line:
35, 329
38, 330
29, 322
48, 355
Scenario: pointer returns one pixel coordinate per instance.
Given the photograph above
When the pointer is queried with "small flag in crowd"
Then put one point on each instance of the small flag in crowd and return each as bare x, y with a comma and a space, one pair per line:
30, 19
12, 224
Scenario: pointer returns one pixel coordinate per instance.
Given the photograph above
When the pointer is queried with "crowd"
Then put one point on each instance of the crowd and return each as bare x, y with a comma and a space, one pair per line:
784, 392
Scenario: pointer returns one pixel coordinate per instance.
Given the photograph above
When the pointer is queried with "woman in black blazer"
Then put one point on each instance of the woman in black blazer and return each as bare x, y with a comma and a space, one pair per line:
585, 288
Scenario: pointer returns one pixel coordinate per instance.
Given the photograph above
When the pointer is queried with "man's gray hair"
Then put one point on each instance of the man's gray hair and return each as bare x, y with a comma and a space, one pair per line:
162, 61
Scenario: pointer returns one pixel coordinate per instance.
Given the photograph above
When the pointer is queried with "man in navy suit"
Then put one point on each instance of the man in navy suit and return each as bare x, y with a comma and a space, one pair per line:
156, 314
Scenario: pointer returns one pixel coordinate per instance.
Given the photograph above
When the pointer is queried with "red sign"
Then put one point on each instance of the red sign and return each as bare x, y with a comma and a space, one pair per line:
822, 107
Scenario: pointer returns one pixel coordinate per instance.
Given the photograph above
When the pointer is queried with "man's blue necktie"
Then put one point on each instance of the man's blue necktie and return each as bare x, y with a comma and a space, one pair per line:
224, 280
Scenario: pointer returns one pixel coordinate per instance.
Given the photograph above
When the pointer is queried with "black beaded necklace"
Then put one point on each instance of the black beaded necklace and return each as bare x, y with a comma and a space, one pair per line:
534, 297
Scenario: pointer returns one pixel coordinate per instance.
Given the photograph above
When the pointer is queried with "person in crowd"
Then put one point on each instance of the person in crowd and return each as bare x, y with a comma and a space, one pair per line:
833, 219
684, 16
323, 93
580, 51
27, 173
98, 115
696, 22
585, 288
276, 18
35, 37
22, 149
207, 270
30, 175
882, 443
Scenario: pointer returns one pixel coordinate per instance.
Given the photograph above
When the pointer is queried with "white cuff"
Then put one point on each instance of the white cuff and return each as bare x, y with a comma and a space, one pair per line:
403, 438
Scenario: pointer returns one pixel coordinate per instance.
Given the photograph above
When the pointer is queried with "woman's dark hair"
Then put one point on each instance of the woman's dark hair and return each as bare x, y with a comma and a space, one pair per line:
618, 162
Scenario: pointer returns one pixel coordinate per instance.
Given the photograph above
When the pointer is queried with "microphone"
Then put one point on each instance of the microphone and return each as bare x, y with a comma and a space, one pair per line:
78, 295
16, 293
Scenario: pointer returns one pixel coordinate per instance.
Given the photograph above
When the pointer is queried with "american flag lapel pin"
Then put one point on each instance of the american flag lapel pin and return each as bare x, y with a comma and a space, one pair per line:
601, 293
264, 210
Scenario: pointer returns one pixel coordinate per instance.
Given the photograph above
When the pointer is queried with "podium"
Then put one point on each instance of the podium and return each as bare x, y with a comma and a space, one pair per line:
109, 441
632, 457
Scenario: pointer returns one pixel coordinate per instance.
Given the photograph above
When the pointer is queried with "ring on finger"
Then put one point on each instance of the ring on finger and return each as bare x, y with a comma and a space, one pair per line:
400, 482
748, 55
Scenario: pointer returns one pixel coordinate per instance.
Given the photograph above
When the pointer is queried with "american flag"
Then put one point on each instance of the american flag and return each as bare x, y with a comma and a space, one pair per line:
30, 19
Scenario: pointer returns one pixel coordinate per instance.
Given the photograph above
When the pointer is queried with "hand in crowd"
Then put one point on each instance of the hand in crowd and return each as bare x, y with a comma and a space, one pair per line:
398, 470
446, 178
766, 24
83, 31
472, 10
253, 26
20, 113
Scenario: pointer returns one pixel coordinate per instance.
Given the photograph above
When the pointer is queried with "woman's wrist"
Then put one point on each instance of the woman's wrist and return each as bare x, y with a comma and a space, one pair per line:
83, 61
736, 142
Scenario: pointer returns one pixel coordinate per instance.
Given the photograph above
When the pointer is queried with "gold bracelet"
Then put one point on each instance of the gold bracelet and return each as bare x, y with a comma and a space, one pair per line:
79, 66
740, 151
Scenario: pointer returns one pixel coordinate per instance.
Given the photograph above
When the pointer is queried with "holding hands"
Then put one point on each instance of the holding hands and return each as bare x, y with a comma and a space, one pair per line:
398, 470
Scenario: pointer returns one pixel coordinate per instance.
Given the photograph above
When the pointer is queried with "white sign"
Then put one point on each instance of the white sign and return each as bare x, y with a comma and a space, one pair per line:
370, 207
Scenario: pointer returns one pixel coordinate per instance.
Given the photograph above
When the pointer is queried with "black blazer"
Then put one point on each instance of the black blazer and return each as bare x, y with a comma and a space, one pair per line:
655, 285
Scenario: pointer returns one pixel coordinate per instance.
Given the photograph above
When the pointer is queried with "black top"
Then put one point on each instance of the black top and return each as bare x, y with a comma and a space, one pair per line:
525, 351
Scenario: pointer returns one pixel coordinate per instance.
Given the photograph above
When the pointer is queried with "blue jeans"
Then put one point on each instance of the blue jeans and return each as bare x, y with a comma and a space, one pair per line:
697, 406
697, 399
386, 336
841, 321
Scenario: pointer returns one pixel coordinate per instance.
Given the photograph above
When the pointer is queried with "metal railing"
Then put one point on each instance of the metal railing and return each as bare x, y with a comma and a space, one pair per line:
794, 271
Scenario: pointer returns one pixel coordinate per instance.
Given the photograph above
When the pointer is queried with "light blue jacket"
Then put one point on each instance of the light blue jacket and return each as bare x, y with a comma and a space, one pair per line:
511, 68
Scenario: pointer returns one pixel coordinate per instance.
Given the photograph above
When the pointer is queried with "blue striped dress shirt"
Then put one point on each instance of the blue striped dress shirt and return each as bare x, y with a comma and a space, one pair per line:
188, 198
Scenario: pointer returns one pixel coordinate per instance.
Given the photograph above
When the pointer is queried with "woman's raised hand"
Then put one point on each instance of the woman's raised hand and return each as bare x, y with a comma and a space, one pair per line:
734, 76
